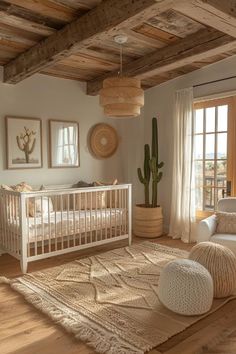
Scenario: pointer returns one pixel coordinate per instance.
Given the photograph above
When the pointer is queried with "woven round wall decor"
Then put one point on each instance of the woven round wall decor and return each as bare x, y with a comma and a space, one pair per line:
103, 141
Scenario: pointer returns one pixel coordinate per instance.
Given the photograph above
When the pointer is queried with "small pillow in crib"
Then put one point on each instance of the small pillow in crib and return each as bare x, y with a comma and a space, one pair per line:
43, 206
24, 187
113, 183
5, 187
112, 196
95, 201
82, 184
226, 223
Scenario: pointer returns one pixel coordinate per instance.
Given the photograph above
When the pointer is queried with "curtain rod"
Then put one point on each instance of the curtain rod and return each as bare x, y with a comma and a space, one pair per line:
214, 81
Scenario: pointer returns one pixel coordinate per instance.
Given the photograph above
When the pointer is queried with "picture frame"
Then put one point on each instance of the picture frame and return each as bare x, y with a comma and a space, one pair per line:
23, 143
64, 144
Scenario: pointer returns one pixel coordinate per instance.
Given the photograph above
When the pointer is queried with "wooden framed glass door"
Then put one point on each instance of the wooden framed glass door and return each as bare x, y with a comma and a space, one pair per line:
214, 152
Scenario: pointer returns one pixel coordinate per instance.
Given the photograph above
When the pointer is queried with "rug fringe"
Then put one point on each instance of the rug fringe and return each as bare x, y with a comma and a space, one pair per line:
101, 340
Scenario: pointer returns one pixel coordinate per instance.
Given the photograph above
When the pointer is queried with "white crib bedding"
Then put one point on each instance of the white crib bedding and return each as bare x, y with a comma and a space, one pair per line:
65, 223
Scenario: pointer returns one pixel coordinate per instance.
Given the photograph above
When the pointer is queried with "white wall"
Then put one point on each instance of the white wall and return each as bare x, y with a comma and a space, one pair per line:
159, 102
47, 97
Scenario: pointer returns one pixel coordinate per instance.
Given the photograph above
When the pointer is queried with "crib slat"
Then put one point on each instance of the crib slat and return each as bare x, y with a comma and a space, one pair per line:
106, 215
126, 212
10, 218
28, 230
55, 222
68, 222
17, 234
14, 228
101, 218
42, 224
35, 228
111, 213
119, 210
61, 207
74, 225
91, 221
49, 228
96, 215
17, 221
1, 220
115, 213
5, 220
2, 233
123, 211
80, 226
12, 222
85, 207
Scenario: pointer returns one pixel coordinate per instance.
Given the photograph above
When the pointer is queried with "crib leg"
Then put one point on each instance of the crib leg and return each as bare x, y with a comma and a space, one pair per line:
24, 265
130, 240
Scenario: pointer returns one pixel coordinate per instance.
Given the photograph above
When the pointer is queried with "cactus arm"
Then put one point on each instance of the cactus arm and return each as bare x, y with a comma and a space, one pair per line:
159, 177
147, 172
32, 147
146, 175
19, 144
140, 175
160, 165
154, 139
24, 141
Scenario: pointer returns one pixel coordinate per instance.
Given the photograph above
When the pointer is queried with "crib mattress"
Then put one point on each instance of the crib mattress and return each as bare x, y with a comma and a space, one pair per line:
65, 223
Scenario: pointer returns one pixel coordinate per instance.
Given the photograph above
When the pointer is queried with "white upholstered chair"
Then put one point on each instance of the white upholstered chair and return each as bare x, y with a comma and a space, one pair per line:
206, 230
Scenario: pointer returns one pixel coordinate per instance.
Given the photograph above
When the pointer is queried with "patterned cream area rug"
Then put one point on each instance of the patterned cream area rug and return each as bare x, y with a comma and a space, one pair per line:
110, 300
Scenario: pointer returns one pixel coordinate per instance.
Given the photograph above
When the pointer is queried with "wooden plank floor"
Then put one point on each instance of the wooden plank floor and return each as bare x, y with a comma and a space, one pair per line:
24, 330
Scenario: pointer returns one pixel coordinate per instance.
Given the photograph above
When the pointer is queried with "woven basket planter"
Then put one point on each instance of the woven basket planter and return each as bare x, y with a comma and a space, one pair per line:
148, 222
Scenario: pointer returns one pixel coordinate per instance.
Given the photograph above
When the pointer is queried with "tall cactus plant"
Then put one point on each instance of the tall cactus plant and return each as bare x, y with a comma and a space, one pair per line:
155, 166
145, 177
151, 168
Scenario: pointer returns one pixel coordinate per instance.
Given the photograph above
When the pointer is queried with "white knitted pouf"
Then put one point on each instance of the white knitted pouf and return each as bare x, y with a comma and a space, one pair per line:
221, 264
186, 287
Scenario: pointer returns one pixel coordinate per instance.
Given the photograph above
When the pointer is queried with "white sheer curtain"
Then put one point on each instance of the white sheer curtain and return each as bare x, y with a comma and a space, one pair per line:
182, 221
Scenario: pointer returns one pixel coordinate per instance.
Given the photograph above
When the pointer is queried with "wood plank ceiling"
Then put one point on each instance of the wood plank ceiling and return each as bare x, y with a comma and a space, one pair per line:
166, 38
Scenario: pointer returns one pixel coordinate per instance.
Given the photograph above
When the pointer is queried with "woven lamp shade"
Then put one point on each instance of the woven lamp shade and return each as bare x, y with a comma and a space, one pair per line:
103, 141
121, 97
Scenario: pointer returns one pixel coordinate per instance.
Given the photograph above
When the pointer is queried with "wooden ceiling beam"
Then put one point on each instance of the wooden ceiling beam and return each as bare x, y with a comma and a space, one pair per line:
218, 14
205, 43
107, 19
25, 14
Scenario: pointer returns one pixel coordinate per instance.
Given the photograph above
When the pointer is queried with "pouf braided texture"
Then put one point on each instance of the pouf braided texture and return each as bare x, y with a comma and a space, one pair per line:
186, 287
220, 261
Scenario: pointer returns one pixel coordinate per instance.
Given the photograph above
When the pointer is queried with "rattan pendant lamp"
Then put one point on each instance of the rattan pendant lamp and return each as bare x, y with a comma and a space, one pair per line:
121, 96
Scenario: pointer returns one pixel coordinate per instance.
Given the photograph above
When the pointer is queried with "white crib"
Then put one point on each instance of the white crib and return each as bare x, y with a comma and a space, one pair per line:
41, 224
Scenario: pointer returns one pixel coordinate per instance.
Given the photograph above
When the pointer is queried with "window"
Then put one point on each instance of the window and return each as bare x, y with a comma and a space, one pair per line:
67, 145
214, 137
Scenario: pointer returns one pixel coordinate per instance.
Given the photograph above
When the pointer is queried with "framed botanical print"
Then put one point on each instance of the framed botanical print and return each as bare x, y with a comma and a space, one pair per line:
24, 142
64, 143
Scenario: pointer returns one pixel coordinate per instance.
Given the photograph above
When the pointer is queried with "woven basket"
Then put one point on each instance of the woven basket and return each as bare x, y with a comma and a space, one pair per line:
103, 141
